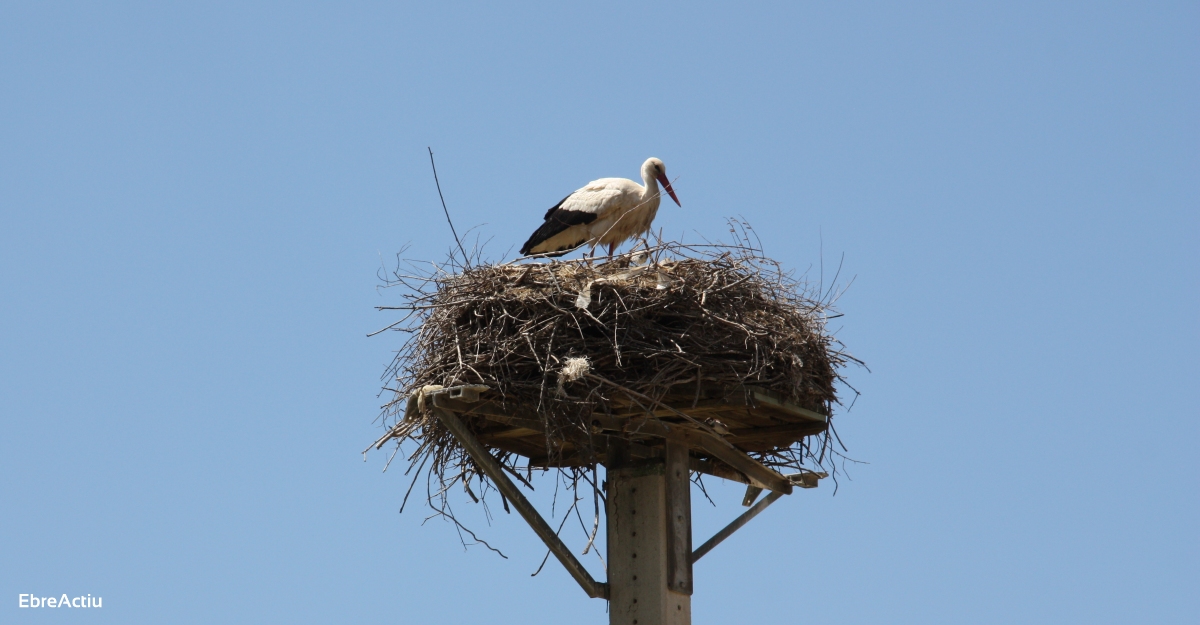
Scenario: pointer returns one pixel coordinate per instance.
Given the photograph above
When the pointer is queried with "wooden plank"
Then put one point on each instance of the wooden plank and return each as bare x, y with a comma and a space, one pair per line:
525, 426
718, 447
516, 432
765, 397
759, 475
775, 431
514, 495
807, 479
494, 408
679, 518
737, 523
494, 411
717, 469
740, 401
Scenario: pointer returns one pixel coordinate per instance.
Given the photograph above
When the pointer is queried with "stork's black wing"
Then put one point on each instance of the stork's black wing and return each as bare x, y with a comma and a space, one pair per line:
557, 220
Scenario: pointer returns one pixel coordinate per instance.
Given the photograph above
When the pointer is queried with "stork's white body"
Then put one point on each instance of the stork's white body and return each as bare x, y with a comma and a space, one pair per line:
623, 209
608, 211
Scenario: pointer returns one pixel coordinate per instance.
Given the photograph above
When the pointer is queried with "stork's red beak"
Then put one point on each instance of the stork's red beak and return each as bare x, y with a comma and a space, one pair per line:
662, 178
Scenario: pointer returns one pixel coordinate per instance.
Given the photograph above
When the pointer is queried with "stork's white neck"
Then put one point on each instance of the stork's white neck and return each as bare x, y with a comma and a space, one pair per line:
651, 184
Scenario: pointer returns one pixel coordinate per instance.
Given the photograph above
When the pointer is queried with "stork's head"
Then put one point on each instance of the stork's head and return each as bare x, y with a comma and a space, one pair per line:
653, 169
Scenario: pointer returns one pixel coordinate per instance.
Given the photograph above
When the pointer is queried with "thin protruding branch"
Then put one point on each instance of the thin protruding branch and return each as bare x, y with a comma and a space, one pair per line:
466, 260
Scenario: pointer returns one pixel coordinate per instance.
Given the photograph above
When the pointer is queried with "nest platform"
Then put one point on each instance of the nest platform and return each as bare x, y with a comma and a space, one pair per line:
568, 364
714, 430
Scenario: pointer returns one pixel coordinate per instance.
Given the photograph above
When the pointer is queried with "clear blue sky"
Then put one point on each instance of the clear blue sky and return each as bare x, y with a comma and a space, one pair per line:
194, 201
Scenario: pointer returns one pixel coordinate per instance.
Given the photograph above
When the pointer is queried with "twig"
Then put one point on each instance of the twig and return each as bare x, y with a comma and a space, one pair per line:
466, 260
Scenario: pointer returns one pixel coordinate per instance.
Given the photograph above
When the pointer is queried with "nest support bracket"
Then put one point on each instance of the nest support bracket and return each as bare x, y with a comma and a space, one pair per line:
657, 487
735, 525
593, 588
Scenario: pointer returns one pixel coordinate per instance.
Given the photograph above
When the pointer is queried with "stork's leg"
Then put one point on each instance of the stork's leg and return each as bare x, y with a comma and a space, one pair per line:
611, 248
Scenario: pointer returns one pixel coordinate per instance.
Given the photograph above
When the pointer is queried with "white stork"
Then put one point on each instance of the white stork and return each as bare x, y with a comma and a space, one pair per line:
608, 211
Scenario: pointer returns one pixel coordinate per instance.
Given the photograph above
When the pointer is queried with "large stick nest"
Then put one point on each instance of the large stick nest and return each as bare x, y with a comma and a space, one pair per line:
669, 331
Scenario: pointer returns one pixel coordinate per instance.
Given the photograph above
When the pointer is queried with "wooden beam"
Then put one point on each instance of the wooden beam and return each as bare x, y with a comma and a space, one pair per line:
759, 475
796, 429
679, 518
756, 395
488, 464
717, 469
716, 446
765, 397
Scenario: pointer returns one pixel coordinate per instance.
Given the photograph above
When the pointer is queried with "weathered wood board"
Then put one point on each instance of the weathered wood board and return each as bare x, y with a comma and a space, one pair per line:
718, 434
